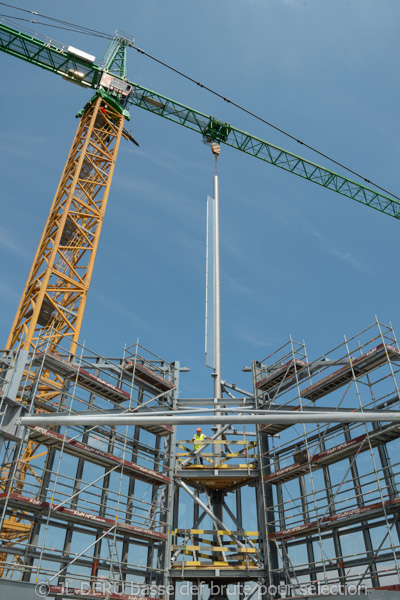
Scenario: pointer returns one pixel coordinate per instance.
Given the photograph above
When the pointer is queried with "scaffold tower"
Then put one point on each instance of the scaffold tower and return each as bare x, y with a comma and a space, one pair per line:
270, 510
93, 503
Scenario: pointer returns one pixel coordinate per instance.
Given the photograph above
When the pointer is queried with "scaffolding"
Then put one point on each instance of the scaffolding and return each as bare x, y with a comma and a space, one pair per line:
136, 510
92, 503
334, 488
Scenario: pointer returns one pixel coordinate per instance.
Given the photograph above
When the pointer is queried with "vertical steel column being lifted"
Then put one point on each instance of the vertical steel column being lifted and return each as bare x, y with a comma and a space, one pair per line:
217, 498
56, 290
217, 301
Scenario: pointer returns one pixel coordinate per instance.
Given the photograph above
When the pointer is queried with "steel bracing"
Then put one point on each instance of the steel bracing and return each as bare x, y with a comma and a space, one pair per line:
93, 475
281, 504
95, 501
334, 488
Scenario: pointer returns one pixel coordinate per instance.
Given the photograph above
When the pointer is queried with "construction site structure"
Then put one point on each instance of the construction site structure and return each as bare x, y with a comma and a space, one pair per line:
275, 510
90, 504
100, 511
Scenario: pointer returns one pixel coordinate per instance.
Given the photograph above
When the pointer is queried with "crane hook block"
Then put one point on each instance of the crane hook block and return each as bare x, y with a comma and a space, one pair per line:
216, 131
215, 149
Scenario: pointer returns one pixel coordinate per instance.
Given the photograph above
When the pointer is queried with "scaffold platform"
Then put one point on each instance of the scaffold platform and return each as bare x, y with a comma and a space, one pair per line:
145, 374
34, 505
339, 520
275, 428
92, 383
357, 367
221, 478
362, 443
52, 439
283, 377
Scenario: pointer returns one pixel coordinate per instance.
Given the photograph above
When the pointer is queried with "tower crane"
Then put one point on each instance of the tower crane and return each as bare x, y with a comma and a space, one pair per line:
54, 298
59, 280
58, 283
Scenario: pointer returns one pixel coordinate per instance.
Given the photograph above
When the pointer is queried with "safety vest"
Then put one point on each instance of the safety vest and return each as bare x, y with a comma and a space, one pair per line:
198, 438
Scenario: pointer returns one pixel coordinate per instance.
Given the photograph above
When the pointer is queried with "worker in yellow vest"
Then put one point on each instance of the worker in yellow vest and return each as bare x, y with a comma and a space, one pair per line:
198, 439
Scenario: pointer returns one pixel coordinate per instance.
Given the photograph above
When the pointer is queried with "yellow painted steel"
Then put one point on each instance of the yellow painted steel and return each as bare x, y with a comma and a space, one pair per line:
230, 443
54, 298
190, 548
218, 532
211, 565
56, 290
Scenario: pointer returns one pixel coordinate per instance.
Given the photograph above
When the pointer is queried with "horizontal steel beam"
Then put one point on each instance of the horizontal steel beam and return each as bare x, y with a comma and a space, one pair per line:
208, 572
286, 417
210, 473
248, 402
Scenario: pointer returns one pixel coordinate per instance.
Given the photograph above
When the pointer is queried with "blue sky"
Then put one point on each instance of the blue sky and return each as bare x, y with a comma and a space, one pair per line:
296, 259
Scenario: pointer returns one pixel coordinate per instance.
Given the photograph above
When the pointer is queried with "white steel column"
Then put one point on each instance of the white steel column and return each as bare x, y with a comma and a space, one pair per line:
217, 306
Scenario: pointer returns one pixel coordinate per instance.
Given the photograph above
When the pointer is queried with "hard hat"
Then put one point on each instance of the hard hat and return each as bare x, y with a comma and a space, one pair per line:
198, 429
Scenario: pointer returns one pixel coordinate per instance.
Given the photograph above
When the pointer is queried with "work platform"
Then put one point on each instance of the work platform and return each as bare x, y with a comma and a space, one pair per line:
218, 478
101, 387
339, 520
227, 558
143, 373
219, 471
52, 439
276, 428
283, 377
35, 506
357, 367
212, 571
362, 443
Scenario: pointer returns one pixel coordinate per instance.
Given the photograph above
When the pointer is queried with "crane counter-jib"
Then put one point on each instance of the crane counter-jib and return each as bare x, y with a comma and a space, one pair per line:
60, 59
78, 68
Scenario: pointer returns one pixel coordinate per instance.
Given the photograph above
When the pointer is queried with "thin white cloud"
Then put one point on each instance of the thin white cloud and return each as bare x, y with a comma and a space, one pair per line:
291, 2
12, 244
172, 162
9, 293
347, 257
328, 248
21, 146
236, 285
130, 316
156, 195
249, 338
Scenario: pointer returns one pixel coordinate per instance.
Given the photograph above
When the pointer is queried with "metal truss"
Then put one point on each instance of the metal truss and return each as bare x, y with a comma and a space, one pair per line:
56, 290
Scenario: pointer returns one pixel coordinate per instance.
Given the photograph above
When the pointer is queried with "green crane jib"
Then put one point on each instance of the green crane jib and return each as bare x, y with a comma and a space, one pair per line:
79, 67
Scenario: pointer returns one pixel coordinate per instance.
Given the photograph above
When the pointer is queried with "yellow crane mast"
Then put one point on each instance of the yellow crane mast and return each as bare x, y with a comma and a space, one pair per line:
56, 290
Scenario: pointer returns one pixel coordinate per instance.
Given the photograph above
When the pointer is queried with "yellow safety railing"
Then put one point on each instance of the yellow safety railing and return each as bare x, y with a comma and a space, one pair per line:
222, 458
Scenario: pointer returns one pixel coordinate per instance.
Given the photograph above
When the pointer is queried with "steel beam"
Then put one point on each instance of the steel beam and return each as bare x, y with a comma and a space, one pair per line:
249, 419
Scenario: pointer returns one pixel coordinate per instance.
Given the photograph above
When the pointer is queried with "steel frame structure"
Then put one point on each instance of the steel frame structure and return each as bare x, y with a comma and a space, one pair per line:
334, 489
96, 502
48, 373
324, 498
